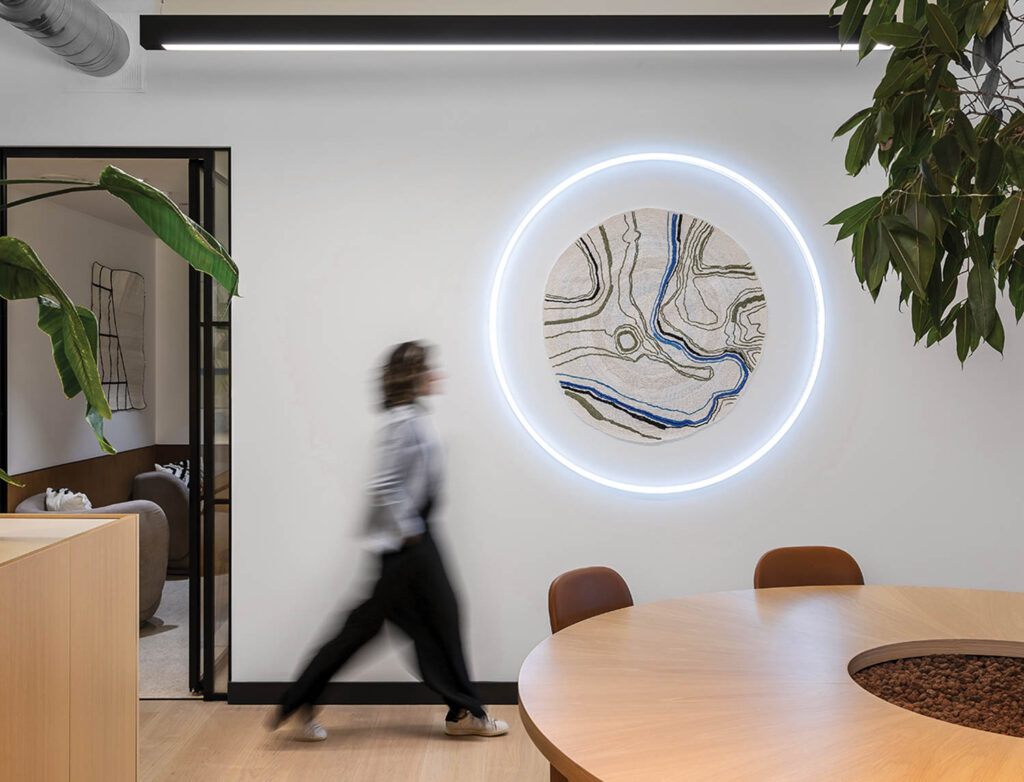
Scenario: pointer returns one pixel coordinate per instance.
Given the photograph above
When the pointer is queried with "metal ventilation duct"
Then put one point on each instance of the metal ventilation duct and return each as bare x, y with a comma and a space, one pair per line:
79, 31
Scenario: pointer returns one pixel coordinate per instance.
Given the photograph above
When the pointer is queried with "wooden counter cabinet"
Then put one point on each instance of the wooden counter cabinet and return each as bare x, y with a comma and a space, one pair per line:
68, 648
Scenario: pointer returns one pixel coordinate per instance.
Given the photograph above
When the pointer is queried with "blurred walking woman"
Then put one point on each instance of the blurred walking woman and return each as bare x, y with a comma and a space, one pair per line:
412, 590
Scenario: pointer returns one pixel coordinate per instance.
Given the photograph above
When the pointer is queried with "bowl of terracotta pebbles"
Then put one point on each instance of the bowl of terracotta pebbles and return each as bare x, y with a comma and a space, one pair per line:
977, 691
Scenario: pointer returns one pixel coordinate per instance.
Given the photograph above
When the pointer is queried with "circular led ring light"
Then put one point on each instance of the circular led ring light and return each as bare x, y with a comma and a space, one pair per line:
812, 272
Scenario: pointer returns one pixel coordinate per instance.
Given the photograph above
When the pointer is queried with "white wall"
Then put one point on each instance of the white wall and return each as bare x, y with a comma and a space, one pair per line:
45, 428
372, 195
171, 361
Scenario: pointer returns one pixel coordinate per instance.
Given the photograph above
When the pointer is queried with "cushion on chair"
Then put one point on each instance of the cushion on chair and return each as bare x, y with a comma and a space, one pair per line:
178, 469
66, 501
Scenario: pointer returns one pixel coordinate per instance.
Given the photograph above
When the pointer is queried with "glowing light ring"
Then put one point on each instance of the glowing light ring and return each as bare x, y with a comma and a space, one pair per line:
667, 157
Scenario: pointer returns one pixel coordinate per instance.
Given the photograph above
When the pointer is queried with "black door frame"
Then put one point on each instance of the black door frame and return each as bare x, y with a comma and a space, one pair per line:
200, 159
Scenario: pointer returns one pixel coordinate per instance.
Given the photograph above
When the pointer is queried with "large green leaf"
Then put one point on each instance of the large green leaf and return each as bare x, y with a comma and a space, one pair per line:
920, 318
990, 16
943, 331
965, 134
911, 252
947, 154
51, 322
964, 333
850, 21
942, 31
899, 75
858, 151
1014, 162
897, 34
996, 337
885, 126
853, 217
167, 221
881, 11
852, 122
6, 478
96, 422
1009, 228
1016, 289
879, 263
981, 293
22, 275
913, 10
921, 218
990, 167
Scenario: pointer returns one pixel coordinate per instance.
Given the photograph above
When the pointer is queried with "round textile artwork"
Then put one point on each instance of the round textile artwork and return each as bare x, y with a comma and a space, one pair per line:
653, 323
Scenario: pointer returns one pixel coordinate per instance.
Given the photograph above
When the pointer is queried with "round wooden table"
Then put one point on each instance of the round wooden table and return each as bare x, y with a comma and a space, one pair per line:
756, 685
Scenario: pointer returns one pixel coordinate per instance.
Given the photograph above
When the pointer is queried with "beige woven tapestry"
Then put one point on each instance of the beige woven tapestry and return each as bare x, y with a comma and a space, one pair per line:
653, 323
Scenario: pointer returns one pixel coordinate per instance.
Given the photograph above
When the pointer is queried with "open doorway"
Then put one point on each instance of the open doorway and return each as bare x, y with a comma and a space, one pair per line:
165, 361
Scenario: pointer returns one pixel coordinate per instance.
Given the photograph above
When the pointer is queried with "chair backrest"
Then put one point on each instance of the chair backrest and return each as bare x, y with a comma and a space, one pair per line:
806, 566
581, 594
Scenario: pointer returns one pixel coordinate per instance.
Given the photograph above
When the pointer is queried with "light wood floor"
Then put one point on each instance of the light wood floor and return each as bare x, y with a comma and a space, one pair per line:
215, 742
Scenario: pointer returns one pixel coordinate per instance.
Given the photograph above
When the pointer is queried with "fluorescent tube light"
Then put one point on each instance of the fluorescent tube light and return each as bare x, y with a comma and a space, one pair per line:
509, 33
510, 47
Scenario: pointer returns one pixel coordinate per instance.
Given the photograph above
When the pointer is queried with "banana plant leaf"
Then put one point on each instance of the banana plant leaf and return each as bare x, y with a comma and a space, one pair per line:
176, 229
73, 330
23, 276
182, 234
8, 479
52, 322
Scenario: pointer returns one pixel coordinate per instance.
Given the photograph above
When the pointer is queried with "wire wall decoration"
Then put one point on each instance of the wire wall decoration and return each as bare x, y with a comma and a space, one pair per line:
118, 301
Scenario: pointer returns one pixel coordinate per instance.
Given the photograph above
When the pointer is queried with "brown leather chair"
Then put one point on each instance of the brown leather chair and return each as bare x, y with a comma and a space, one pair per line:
581, 594
806, 566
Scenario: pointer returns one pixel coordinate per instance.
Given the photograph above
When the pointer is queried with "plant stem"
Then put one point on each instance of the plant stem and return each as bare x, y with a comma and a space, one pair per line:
41, 196
48, 181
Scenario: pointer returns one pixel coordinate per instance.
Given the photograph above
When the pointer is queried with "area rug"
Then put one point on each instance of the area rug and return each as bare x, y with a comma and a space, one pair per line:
163, 646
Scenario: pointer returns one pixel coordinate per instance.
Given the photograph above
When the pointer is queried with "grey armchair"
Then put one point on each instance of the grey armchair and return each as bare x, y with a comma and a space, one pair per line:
171, 494
153, 539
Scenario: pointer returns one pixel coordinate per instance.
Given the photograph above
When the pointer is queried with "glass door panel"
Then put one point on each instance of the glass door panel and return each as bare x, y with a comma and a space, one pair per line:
219, 534
211, 440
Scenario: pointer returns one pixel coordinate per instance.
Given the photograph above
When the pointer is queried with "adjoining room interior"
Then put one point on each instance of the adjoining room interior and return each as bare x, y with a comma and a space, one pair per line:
108, 261
512, 391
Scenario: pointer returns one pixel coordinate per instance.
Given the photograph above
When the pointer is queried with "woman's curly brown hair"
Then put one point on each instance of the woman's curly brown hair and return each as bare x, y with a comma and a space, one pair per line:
402, 373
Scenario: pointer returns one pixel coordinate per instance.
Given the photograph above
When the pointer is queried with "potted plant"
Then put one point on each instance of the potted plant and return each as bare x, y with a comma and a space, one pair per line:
947, 127
72, 329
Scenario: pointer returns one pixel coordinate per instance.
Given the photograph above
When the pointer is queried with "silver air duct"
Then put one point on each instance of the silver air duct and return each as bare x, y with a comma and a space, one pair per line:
77, 30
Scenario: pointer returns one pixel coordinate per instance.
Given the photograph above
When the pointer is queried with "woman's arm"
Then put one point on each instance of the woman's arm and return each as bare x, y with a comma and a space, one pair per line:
389, 493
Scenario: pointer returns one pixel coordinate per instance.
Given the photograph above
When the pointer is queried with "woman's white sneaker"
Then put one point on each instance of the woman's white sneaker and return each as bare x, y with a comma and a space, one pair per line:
469, 725
312, 731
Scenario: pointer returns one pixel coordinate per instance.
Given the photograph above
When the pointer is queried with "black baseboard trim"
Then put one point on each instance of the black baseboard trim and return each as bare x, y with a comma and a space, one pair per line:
368, 693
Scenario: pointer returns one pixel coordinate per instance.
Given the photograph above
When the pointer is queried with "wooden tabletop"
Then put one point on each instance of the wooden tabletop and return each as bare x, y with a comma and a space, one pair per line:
756, 685
21, 535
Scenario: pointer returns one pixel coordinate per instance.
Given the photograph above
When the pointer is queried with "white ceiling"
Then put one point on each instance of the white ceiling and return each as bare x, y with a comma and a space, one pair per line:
171, 176
493, 7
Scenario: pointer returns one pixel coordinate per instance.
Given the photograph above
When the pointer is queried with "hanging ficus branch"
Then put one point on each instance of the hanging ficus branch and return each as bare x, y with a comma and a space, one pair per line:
947, 127
72, 330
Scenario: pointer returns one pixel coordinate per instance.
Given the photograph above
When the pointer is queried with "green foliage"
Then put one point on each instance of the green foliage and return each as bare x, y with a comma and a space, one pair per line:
73, 330
949, 133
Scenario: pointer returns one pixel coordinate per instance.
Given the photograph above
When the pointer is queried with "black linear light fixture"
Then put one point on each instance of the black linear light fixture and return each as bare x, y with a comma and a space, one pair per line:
533, 33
